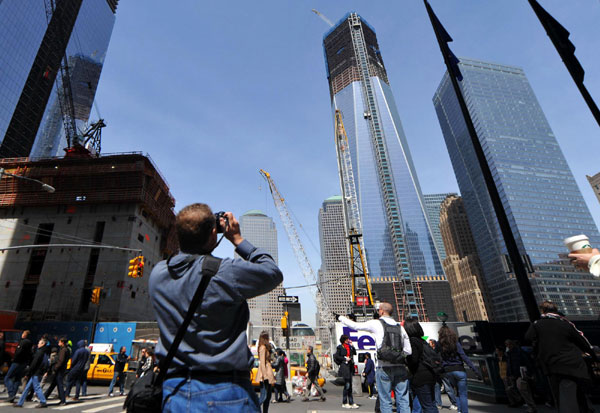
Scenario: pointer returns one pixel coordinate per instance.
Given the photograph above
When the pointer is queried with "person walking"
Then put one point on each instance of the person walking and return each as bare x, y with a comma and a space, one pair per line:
389, 375
423, 379
453, 359
39, 365
58, 370
560, 347
75, 376
119, 372
86, 368
344, 357
369, 375
21, 360
280, 367
312, 372
264, 375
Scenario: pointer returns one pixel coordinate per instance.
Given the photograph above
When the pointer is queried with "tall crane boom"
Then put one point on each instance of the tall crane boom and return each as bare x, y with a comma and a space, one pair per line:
307, 271
362, 297
325, 19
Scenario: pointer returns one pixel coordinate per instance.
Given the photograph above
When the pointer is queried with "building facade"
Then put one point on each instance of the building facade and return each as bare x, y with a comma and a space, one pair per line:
265, 310
432, 208
538, 191
461, 264
58, 246
396, 233
595, 184
42, 52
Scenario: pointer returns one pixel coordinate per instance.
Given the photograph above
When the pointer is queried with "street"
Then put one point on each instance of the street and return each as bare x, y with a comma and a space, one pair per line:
98, 401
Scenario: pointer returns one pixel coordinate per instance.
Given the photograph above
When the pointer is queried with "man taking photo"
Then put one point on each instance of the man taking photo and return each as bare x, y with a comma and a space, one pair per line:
211, 368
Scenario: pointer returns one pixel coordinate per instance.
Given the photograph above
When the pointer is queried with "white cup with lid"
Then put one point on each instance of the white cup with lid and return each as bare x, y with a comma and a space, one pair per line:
579, 244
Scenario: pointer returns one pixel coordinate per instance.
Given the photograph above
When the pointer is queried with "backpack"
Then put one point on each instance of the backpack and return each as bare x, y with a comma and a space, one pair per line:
432, 360
391, 349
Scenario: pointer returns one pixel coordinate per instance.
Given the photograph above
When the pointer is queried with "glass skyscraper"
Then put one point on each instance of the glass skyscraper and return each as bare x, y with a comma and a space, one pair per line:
538, 191
33, 43
396, 233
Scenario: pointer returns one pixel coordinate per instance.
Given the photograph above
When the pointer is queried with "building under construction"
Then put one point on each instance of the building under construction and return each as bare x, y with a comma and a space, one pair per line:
99, 203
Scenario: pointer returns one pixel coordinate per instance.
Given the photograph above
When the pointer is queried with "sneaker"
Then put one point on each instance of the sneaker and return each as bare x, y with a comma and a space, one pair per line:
111, 395
354, 406
453, 407
346, 406
323, 398
122, 394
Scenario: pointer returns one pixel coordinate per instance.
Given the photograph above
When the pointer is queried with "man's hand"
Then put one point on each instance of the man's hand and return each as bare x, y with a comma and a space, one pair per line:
232, 232
581, 260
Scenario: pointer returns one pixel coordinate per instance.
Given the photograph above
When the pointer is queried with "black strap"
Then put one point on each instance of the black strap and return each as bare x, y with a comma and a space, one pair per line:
210, 266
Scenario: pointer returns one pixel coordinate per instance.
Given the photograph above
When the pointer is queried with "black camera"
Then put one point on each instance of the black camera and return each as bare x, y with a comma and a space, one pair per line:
218, 216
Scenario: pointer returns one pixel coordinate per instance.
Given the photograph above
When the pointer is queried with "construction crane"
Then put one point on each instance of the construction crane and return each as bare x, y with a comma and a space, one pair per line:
89, 142
325, 19
362, 297
309, 275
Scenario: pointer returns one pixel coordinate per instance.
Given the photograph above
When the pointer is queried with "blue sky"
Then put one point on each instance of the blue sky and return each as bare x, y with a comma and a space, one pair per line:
214, 91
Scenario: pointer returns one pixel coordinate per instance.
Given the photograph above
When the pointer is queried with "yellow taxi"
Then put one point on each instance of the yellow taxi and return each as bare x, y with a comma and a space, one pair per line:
293, 371
102, 366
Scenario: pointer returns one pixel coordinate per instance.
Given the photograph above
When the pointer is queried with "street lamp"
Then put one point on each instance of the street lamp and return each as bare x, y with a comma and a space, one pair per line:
45, 186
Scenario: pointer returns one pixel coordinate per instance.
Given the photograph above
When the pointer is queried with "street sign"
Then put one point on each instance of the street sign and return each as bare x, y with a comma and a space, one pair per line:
287, 298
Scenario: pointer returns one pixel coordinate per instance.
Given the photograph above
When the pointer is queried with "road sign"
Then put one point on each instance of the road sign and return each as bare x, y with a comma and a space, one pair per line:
287, 298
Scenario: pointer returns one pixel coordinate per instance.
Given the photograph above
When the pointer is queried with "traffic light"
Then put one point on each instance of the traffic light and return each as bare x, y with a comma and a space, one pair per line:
95, 298
284, 324
133, 266
140, 267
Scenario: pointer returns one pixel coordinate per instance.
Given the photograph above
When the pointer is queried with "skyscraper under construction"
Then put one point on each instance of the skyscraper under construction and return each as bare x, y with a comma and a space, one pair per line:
397, 237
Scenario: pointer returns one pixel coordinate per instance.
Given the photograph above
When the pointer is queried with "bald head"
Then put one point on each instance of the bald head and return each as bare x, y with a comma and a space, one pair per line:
386, 309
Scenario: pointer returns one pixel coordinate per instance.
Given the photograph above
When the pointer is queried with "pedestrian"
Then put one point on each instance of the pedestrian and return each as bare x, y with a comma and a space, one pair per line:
423, 379
519, 373
86, 368
119, 372
312, 372
389, 375
344, 357
58, 371
141, 362
149, 363
38, 367
453, 359
560, 347
439, 382
21, 360
369, 375
49, 376
213, 361
75, 376
264, 375
280, 367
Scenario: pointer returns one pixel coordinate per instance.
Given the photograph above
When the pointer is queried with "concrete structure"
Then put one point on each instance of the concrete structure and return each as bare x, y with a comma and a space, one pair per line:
461, 265
537, 188
114, 200
36, 43
432, 208
265, 311
595, 184
396, 233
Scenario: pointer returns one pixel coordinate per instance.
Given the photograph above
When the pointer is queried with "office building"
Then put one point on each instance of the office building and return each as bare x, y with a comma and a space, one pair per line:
119, 201
265, 310
595, 184
538, 191
51, 61
432, 208
461, 264
396, 233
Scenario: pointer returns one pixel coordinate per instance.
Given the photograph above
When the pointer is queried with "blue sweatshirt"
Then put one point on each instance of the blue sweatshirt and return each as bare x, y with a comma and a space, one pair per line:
216, 337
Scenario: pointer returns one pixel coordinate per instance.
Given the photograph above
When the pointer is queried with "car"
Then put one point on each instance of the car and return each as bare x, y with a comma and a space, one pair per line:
102, 366
293, 371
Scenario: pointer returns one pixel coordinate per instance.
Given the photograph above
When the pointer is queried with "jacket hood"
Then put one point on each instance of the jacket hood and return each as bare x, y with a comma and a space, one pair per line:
80, 343
179, 264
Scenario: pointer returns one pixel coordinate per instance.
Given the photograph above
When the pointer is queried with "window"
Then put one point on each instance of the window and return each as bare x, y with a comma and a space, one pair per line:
103, 359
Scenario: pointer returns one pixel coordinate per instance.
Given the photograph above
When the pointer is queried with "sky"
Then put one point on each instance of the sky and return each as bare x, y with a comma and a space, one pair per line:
215, 91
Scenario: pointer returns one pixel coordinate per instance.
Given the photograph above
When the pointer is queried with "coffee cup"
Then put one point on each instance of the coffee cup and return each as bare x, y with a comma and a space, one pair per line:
578, 244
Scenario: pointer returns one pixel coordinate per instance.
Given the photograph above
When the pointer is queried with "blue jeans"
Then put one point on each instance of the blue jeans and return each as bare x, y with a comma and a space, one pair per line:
265, 395
231, 395
58, 383
438, 394
396, 379
121, 376
13, 378
449, 390
347, 396
424, 395
35, 383
458, 380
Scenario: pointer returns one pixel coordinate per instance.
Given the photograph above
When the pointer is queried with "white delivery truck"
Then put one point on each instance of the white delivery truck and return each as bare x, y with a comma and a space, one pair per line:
363, 342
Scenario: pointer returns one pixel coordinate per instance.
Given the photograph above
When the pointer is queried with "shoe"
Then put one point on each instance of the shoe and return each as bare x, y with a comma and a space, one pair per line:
346, 406
373, 397
305, 399
111, 395
289, 398
17, 405
74, 398
62, 403
453, 407
122, 394
273, 401
323, 398
354, 406
11, 399
41, 406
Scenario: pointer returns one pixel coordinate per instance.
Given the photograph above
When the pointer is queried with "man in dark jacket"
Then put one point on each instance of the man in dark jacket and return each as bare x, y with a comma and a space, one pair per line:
78, 361
560, 348
58, 370
119, 373
37, 368
22, 358
369, 375
344, 357
312, 372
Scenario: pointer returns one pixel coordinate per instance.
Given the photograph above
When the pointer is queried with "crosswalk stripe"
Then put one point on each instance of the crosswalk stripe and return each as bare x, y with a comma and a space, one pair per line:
82, 404
101, 408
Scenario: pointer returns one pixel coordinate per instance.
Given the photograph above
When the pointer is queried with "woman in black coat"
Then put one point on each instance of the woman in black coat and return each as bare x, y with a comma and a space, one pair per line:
344, 357
422, 382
